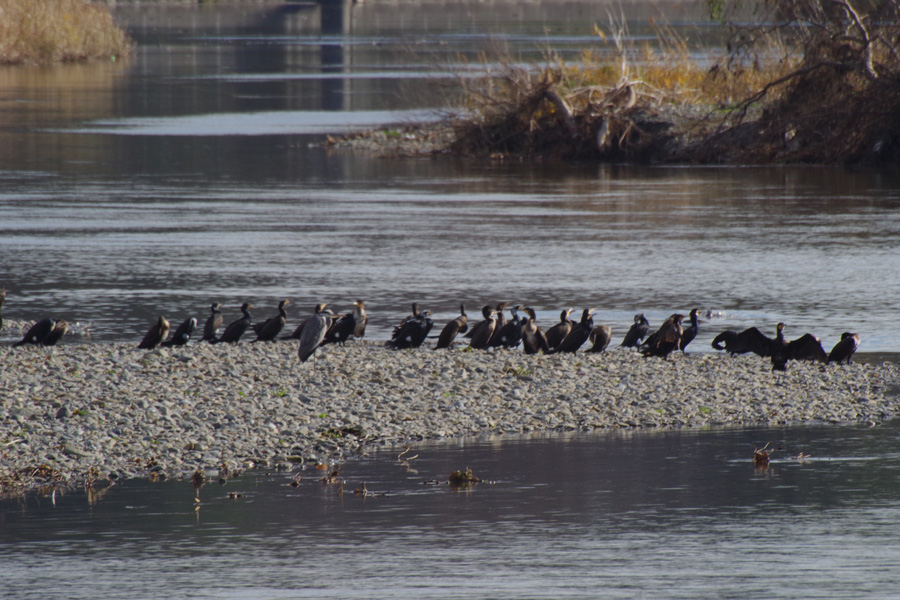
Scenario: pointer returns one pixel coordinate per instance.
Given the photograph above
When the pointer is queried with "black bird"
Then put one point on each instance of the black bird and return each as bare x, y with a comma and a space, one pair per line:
182, 334
483, 331
412, 332
238, 327
156, 334
269, 329
510, 334
843, 351
314, 330
806, 347
452, 329
557, 333
690, 332
213, 323
579, 334
60, 329
666, 339
637, 332
498, 326
412, 317
2, 300
533, 338
749, 340
341, 329
359, 313
37, 332
600, 337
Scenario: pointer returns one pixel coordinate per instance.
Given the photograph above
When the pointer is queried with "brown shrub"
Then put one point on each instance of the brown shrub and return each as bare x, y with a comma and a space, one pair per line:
43, 31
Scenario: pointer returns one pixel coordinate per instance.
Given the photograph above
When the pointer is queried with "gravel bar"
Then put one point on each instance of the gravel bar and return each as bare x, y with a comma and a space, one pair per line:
73, 414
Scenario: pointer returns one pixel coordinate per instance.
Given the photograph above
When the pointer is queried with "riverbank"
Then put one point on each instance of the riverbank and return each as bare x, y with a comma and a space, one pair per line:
75, 413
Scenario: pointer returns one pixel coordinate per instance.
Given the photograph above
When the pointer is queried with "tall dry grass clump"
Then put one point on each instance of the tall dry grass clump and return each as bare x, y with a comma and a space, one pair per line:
44, 31
799, 81
620, 101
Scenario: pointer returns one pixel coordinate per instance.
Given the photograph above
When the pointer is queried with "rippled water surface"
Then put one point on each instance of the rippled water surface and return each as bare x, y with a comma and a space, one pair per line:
676, 514
194, 173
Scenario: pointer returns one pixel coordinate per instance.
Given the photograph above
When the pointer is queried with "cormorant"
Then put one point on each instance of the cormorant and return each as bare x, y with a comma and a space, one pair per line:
458, 325
342, 329
2, 300
415, 314
637, 332
806, 347
533, 338
510, 334
60, 329
37, 332
213, 323
557, 333
156, 334
412, 317
182, 334
501, 322
269, 329
666, 339
600, 337
412, 332
359, 313
748, 340
238, 327
314, 331
843, 351
483, 331
579, 334
690, 332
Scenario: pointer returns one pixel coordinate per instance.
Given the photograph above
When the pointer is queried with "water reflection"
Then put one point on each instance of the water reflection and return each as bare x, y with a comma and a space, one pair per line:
672, 514
192, 174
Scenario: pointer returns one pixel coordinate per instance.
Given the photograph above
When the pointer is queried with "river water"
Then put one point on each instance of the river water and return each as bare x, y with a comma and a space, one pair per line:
195, 172
671, 514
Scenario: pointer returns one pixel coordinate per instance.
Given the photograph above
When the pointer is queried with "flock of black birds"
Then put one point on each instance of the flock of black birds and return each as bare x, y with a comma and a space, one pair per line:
494, 330
322, 328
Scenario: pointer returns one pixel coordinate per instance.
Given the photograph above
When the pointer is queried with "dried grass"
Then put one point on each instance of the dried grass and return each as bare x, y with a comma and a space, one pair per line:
45, 31
621, 102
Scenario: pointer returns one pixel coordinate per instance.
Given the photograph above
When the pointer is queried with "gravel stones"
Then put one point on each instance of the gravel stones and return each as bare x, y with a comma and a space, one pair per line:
76, 412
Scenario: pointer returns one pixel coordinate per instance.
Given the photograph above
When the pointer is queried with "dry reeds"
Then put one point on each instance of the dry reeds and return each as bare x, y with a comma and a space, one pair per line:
45, 31
622, 101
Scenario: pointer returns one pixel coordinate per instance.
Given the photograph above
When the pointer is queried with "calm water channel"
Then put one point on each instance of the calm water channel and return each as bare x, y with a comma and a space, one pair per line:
191, 174
194, 173
677, 514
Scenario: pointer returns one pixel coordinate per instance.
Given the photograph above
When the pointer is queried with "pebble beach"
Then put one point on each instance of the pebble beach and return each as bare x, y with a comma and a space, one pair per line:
85, 412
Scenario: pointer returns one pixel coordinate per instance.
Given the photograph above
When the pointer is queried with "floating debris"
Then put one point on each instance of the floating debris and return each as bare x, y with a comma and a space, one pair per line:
761, 456
332, 478
463, 477
198, 478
